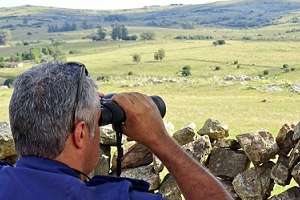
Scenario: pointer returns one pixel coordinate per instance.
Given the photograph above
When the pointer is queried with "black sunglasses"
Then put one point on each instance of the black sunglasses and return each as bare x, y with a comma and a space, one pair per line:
83, 73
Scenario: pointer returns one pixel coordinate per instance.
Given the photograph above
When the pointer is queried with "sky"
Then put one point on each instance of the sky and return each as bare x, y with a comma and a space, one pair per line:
99, 4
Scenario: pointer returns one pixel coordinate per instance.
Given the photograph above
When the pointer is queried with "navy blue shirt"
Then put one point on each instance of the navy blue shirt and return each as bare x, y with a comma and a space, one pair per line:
36, 178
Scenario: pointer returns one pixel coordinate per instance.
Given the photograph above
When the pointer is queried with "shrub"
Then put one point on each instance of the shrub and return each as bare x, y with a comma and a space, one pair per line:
74, 52
217, 68
136, 58
266, 72
219, 42
285, 66
293, 69
130, 73
186, 71
235, 62
9, 82
238, 66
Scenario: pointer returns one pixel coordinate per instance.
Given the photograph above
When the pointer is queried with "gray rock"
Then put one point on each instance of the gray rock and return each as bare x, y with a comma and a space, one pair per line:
103, 166
214, 129
294, 156
226, 143
108, 136
135, 155
145, 173
229, 188
296, 173
296, 135
291, 194
280, 172
285, 140
254, 183
184, 136
7, 145
259, 147
229, 78
226, 163
199, 149
169, 188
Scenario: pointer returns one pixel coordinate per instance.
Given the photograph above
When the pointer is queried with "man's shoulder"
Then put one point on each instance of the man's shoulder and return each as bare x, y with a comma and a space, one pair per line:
122, 188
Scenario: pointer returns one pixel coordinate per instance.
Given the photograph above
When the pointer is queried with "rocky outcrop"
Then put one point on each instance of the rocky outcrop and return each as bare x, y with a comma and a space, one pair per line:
214, 129
260, 147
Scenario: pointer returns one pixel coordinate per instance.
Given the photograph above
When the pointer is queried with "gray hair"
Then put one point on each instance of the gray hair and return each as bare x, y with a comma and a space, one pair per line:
41, 108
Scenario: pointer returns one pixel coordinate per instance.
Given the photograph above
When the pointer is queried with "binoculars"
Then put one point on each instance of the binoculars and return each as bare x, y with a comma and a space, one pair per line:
112, 113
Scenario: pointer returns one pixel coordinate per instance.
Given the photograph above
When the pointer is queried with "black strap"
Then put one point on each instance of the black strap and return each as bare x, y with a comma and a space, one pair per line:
119, 132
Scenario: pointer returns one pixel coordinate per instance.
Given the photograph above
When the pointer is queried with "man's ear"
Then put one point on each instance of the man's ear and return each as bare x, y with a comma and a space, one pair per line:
78, 135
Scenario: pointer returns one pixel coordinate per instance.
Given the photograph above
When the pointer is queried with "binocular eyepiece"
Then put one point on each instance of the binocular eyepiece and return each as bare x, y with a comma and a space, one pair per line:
112, 113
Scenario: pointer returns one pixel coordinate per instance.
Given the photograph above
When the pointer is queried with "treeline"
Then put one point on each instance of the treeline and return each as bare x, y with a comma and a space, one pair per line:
64, 28
119, 32
37, 54
194, 37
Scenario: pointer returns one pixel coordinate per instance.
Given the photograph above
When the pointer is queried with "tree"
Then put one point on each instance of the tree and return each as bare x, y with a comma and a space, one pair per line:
136, 58
36, 54
119, 32
159, 55
147, 36
4, 37
156, 57
100, 34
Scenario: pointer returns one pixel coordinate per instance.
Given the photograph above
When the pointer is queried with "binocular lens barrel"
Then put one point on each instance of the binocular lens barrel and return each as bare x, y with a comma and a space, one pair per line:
112, 113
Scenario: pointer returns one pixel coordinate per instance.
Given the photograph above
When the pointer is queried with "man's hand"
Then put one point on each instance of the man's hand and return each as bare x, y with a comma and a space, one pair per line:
144, 124
143, 121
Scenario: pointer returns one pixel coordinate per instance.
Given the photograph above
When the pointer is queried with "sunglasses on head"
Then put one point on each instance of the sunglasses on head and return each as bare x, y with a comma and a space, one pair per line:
83, 73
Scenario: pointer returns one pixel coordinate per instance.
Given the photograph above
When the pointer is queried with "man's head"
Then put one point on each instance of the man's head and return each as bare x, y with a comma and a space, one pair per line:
42, 114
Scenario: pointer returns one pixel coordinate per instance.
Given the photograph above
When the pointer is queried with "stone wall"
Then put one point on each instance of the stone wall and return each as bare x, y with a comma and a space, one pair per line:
248, 166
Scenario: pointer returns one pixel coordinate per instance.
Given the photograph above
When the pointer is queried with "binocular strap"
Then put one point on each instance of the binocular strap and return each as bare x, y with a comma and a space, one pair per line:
120, 152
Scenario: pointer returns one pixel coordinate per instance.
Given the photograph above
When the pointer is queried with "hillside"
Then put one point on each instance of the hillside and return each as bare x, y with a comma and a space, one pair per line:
232, 14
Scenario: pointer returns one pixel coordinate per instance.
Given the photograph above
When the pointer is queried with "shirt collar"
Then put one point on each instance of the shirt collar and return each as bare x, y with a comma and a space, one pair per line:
45, 164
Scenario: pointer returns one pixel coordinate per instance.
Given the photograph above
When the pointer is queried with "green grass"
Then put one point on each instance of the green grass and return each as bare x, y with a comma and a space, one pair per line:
204, 94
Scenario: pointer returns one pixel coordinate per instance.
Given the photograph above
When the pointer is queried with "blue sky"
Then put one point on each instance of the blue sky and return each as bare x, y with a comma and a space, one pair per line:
98, 4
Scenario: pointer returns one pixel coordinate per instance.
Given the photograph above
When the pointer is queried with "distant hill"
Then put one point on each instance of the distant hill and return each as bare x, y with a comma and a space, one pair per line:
233, 14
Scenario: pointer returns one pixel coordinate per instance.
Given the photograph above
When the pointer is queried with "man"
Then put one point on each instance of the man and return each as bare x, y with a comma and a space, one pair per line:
54, 113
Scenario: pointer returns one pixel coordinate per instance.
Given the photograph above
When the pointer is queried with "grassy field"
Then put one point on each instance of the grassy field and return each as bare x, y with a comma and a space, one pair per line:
203, 95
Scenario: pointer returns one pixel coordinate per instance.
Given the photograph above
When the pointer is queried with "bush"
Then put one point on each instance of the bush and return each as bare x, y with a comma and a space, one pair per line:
285, 66
9, 82
219, 42
238, 66
266, 72
103, 78
2, 64
235, 62
136, 58
159, 55
217, 68
293, 69
130, 73
74, 52
186, 71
